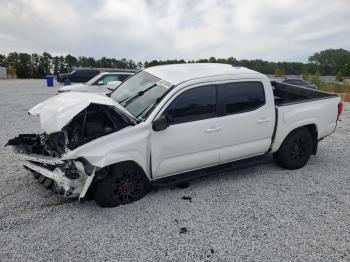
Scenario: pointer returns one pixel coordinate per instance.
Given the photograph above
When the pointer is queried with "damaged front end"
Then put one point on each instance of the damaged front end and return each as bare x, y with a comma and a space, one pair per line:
44, 152
66, 178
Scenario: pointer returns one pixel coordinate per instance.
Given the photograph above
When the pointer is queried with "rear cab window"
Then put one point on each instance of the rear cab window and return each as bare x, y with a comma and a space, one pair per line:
240, 97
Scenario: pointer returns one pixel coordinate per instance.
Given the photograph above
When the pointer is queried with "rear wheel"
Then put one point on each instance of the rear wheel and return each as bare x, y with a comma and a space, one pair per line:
124, 184
296, 149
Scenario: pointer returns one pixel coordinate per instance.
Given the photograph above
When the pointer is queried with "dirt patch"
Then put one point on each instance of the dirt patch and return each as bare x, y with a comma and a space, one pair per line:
345, 97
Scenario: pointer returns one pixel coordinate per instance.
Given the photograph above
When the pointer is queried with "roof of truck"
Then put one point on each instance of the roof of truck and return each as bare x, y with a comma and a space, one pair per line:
116, 72
178, 73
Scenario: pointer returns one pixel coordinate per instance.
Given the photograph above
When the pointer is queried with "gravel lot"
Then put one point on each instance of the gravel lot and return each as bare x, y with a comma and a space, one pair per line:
259, 213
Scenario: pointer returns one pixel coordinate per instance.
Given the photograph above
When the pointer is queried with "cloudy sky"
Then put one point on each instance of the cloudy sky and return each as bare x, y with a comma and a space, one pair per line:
276, 30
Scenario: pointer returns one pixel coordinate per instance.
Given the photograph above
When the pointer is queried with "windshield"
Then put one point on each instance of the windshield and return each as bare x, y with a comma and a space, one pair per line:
139, 94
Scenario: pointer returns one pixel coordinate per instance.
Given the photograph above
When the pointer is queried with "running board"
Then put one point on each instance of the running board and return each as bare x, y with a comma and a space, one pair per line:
188, 176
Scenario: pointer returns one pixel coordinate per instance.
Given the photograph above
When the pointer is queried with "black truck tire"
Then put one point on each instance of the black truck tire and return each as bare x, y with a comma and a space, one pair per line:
125, 183
295, 150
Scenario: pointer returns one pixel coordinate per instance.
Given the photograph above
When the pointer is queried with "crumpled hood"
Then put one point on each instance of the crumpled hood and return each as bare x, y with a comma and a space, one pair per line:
71, 87
56, 112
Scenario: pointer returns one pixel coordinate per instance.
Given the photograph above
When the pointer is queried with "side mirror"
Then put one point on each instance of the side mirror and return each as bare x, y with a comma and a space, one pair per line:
113, 85
160, 123
100, 83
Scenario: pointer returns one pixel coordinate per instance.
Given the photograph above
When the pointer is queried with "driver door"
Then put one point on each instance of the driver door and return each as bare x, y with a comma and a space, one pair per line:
192, 139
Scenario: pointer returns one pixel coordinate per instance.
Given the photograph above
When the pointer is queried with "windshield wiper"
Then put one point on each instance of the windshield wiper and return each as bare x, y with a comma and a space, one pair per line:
150, 107
129, 99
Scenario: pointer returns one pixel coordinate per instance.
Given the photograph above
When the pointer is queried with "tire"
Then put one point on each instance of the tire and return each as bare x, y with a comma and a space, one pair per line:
48, 183
36, 175
124, 184
42, 179
295, 150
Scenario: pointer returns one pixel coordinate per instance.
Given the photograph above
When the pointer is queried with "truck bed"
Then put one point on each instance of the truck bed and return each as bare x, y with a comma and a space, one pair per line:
298, 106
286, 94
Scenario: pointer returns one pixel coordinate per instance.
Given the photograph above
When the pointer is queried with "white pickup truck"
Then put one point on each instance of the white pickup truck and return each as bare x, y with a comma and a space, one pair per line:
171, 123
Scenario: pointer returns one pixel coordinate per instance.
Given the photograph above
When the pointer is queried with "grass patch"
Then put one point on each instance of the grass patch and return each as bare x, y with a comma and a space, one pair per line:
334, 88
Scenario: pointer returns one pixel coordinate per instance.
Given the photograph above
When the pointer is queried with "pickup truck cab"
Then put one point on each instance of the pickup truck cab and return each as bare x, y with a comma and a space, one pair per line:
171, 123
77, 76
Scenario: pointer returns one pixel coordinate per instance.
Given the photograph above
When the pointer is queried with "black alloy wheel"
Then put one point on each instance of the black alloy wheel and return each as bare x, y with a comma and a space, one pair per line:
296, 149
125, 183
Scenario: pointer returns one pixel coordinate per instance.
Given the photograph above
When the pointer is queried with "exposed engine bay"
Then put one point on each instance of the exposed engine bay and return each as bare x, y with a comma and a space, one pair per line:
43, 152
93, 122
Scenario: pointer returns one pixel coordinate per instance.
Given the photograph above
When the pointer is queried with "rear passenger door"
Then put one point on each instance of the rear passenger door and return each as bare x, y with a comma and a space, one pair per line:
192, 140
246, 120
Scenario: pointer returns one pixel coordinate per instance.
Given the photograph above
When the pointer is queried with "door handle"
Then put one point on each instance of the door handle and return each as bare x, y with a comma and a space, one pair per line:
263, 120
213, 129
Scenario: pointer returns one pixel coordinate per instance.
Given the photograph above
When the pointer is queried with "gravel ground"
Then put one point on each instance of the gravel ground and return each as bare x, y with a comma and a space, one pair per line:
259, 213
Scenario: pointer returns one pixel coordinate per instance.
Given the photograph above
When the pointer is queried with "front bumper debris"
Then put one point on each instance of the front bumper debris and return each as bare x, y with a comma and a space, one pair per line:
67, 178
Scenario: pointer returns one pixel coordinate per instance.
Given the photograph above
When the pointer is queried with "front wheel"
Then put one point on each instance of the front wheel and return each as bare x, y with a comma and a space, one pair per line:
124, 184
295, 150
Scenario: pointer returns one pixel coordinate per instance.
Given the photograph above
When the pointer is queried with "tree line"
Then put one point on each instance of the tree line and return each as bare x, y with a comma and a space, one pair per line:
326, 62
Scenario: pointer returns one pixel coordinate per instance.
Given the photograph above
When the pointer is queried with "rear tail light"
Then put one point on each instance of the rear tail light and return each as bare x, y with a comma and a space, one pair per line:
340, 109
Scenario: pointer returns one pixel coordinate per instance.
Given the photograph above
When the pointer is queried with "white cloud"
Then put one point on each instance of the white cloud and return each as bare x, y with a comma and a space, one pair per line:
150, 29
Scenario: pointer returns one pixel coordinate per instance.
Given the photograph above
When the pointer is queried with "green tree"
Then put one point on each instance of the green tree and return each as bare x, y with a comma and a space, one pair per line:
70, 62
11, 71
306, 75
45, 63
23, 67
84, 61
212, 60
331, 61
315, 79
56, 65
139, 65
62, 65
279, 72
3, 60
13, 59
36, 70
339, 76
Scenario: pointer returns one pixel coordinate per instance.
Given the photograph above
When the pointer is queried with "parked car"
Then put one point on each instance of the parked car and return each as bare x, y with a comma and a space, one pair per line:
168, 124
77, 76
98, 84
300, 82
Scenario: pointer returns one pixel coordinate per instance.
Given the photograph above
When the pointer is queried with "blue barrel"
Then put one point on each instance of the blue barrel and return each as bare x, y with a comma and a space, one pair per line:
49, 80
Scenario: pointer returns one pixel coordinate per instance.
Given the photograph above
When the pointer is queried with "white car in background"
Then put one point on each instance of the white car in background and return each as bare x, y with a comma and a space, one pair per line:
102, 83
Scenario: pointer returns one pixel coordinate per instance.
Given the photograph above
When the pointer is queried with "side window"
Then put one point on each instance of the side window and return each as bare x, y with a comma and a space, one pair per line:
241, 97
192, 105
109, 78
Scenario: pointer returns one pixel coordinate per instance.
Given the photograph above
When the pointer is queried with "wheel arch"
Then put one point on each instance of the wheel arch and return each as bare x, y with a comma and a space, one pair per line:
129, 162
314, 133
311, 127
103, 172
131, 156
